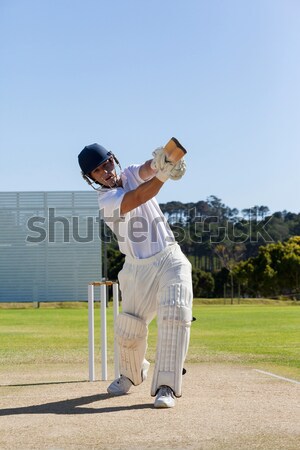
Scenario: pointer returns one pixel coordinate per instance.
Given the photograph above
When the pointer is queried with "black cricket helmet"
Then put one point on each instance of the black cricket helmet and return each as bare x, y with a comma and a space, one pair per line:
91, 157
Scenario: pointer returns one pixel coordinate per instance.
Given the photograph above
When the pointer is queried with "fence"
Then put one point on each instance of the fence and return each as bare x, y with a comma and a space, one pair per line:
50, 246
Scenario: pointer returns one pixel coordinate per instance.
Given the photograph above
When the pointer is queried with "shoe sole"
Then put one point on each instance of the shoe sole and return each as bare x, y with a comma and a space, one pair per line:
116, 392
161, 404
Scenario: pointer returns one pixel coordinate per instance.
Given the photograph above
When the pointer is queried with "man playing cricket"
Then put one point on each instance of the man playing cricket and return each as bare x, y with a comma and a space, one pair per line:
156, 277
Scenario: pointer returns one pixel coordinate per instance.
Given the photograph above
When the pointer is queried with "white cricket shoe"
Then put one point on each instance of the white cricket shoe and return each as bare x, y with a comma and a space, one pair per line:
120, 386
164, 398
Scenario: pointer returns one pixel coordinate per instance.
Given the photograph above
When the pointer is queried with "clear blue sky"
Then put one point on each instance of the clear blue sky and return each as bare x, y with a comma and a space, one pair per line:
221, 76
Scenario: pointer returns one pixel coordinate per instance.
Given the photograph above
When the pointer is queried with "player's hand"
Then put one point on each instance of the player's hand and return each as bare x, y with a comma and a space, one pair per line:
165, 173
178, 170
159, 159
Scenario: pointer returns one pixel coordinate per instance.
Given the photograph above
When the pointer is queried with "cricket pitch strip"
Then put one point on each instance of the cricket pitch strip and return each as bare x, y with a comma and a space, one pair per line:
223, 407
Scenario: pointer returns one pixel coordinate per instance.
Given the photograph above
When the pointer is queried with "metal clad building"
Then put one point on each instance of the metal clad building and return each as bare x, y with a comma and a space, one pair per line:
50, 246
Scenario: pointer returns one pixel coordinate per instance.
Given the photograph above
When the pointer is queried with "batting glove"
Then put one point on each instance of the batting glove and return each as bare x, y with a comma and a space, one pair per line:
178, 170
164, 174
159, 159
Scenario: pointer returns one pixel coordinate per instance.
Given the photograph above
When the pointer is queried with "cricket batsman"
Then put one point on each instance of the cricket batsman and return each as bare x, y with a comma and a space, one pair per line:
156, 277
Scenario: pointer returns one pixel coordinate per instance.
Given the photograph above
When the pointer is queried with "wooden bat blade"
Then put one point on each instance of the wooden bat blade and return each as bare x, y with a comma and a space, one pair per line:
174, 150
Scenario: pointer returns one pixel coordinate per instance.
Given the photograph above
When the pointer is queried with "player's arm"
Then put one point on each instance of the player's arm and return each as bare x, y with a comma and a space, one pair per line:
156, 171
144, 191
146, 171
141, 194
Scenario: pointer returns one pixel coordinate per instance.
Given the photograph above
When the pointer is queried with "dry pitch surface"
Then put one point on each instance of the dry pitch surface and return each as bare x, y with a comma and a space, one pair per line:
222, 407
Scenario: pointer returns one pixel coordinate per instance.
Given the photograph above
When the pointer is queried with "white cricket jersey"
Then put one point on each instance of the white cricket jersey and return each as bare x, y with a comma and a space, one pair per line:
142, 232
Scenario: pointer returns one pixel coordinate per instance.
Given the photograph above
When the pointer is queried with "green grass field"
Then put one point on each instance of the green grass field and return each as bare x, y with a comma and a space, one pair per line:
258, 335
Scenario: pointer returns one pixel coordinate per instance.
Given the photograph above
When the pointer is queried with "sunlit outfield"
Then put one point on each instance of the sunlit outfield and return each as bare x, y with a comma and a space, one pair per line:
264, 336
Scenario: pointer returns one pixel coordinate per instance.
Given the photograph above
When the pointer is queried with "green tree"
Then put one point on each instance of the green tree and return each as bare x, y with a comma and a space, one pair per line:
115, 260
274, 271
229, 255
203, 283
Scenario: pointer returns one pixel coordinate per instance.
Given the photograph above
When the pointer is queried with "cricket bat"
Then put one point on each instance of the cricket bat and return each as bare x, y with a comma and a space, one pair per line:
174, 150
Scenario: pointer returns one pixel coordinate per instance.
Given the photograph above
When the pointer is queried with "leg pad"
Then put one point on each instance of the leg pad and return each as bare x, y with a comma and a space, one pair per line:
131, 334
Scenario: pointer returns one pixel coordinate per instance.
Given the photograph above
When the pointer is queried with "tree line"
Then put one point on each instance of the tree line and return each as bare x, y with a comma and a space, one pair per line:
249, 252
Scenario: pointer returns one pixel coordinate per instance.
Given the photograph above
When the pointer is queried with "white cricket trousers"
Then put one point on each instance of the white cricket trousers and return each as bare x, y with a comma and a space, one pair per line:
161, 286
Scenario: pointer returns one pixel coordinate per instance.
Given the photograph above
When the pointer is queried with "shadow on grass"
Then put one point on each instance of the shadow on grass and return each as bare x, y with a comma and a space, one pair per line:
73, 406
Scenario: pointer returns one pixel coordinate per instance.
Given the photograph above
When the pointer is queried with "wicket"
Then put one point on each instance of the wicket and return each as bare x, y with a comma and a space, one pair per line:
103, 336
